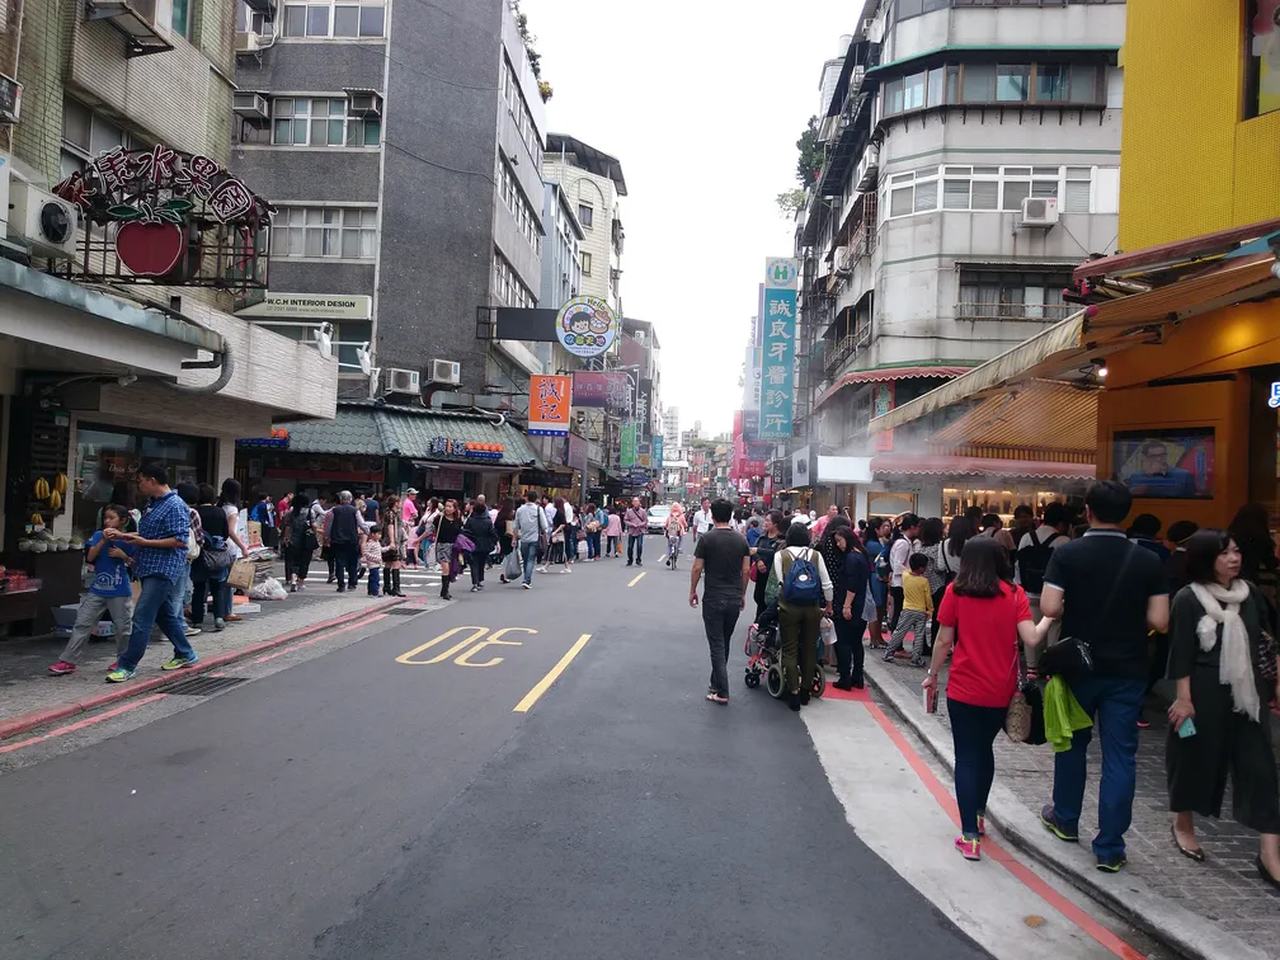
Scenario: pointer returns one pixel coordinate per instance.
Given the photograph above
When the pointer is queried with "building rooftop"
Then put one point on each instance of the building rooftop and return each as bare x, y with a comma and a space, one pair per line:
588, 158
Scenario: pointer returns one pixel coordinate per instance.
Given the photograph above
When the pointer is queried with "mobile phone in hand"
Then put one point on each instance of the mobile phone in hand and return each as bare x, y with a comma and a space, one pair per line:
1188, 728
931, 699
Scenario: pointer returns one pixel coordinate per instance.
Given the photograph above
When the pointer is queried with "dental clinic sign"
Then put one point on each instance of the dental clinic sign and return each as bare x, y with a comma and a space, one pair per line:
778, 349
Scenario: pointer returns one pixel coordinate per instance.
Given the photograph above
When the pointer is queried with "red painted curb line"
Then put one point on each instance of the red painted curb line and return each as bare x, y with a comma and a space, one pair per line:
38, 718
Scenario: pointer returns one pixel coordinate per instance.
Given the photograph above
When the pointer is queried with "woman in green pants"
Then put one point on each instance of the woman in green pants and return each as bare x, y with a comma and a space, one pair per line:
798, 623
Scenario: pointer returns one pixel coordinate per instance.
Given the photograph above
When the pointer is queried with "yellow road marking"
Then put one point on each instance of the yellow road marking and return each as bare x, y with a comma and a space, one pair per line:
543, 685
636, 579
408, 656
464, 659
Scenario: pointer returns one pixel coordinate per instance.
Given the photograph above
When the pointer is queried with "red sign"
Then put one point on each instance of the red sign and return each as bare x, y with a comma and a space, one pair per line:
550, 398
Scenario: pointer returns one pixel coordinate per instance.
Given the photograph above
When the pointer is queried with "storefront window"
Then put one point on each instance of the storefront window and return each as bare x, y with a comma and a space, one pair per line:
107, 459
998, 500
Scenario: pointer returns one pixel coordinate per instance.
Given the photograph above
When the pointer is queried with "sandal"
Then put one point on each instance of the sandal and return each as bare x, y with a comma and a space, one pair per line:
716, 698
1191, 853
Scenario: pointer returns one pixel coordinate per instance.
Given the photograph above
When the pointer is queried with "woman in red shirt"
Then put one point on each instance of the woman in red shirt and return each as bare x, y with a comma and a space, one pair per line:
983, 615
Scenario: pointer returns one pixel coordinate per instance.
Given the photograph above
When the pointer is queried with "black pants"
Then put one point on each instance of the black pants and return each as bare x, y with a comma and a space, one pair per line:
896, 593
346, 556
211, 588
477, 571
635, 546
973, 731
849, 649
300, 562
720, 618
1159, 660
1225, 743
762, 581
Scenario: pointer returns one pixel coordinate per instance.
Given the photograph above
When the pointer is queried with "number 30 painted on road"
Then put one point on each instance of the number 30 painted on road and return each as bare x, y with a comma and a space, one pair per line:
463, 649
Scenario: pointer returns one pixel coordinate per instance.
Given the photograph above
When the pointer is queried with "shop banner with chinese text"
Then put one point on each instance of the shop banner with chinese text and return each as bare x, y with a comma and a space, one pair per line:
549, 400
778, 350
627, 451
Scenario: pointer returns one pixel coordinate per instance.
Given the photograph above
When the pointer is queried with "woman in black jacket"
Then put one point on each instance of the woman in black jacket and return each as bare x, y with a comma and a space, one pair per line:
481, 530
850, 577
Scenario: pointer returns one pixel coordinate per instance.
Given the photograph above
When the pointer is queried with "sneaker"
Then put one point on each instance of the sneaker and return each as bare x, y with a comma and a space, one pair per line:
970, 847
887, 658
341, 588
1050, 821
475, 588
526, 586
919, 662
793, 701
177, 663
119, 676
541, 569
192, 630
1112, 864
62, 668
293, 588
628, 563
219, 625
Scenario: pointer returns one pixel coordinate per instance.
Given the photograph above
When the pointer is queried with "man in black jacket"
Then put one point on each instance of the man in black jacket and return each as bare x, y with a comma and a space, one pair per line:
342, 534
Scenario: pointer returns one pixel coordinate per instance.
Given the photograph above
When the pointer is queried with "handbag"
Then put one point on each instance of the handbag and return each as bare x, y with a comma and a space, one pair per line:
512, 568
215, 556
1024, 723
241, 575
464, 543
193, 546
1069, 658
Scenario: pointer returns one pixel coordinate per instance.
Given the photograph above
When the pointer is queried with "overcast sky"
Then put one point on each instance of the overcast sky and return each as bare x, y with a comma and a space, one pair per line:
702, 102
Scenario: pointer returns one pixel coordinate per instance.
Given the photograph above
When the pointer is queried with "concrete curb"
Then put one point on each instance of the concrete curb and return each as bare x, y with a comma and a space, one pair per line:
1127, 895
38, 718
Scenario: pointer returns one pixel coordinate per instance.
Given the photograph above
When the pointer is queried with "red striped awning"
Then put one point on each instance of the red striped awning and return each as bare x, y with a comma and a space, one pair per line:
886, 374
941, 465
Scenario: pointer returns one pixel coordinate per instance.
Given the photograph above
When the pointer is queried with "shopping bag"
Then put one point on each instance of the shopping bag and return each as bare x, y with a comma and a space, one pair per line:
241, 575
511, 567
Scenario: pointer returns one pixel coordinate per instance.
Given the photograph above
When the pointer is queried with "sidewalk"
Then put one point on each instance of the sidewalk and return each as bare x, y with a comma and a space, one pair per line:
29, 696
1219, 908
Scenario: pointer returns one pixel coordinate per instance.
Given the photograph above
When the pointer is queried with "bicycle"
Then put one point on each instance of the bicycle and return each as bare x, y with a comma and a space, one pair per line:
673, 550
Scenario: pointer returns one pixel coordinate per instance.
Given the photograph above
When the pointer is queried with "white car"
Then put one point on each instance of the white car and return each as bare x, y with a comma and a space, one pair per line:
658, 518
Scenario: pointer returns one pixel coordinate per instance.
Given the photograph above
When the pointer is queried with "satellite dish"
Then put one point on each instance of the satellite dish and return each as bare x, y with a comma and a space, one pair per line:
365, 358
324, 340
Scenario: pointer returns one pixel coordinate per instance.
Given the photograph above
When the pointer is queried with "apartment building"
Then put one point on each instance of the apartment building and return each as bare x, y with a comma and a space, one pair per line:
593, 182
402, 145
971, 160
125, 243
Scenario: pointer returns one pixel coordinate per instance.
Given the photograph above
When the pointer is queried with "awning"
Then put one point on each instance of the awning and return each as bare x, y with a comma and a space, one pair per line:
373, 429
942, 465
1050, 346
885, 374
1045, 419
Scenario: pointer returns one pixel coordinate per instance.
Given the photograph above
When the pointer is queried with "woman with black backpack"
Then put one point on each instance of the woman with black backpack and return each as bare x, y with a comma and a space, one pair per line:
804, 593
300, 541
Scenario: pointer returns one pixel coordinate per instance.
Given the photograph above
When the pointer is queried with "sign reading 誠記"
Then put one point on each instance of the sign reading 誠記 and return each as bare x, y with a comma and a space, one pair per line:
778, 349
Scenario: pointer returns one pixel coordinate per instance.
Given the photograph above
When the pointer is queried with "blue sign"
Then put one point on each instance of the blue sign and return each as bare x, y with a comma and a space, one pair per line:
777, 364
657, 451
1273, 401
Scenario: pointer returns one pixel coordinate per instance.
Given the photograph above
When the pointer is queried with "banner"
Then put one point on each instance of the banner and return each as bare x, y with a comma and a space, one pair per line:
599, 390
644, 408
657, 451
882, 396
549, 400
586, 327
627, 448
778, 350
575, 453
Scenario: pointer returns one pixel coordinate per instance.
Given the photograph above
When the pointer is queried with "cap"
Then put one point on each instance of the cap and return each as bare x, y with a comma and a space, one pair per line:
411, 490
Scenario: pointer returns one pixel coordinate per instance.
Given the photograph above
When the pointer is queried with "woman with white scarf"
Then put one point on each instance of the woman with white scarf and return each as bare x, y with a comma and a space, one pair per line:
1216, 633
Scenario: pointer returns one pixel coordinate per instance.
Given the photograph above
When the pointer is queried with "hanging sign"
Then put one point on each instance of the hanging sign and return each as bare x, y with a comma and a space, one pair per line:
778, 351
550, 397
627, 449
586, 327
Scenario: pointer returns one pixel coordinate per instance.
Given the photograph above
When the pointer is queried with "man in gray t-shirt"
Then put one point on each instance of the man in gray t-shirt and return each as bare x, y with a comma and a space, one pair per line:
723, 554
531, 524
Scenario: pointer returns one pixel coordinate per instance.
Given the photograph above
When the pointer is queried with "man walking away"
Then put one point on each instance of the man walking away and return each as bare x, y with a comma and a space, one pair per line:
722, 552
342, 534
1108, 592
161, 542
637, 523
1035, 550
531, 524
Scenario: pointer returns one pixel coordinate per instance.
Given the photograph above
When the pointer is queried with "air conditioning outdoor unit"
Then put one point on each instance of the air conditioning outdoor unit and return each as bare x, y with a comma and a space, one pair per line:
403, 381
844, 262
363, 103
1039, 212
46, 222
250, 104
248, 42
446, 372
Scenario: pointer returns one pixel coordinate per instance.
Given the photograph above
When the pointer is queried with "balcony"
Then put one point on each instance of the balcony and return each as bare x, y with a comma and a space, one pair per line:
1031, 312
843, 349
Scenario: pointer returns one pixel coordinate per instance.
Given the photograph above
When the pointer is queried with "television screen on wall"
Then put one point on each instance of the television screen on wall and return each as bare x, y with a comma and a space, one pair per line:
1173, 464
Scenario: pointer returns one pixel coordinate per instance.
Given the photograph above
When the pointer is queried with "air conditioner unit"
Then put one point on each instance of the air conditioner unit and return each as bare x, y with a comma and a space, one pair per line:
844, 261
248, 42
403, 381
1039, 212
363, 103
446, 371
250, 104
46, 222
10, 99
868, 25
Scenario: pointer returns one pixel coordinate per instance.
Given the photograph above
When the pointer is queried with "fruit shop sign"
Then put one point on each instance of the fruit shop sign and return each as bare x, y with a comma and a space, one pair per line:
155, 196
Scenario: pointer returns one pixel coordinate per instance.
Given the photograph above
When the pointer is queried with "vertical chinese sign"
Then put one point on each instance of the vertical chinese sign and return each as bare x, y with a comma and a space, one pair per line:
778, 349
882, 395
549, 400
628, 447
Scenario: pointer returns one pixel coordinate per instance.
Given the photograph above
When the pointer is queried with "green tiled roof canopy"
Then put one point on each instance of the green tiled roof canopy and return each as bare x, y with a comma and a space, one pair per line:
386, 430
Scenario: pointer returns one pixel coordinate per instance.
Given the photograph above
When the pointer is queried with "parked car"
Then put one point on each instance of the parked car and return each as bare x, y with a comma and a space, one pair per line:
658, 518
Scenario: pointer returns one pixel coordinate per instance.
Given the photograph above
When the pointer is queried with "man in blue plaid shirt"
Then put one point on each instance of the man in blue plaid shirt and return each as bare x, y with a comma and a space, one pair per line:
160, 565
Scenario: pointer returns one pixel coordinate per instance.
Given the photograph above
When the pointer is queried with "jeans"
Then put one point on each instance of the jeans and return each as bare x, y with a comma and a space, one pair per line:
849, 650
221, 600
1115, 704
593, 544
346, 556
635, 547
973, 731
571, 543
612, 544
158, 604
720, 618
528, 558
375, 580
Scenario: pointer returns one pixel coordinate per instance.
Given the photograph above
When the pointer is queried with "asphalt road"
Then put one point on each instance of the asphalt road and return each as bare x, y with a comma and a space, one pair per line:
356, 806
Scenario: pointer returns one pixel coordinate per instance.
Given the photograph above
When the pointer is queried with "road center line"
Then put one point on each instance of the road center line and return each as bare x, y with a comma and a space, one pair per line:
637, 578
543, 685
81, 724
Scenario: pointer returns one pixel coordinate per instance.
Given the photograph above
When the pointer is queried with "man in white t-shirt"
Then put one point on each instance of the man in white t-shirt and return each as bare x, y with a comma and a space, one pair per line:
1035, 549
702, 520
900, 552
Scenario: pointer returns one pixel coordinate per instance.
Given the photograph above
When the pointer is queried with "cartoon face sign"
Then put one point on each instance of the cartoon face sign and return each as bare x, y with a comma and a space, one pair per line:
585, 326
580, 322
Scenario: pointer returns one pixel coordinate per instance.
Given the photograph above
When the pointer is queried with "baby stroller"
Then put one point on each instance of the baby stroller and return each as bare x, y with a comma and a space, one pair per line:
764, 656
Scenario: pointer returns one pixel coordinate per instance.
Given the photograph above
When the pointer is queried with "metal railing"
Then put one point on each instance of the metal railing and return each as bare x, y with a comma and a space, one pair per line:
1036, 312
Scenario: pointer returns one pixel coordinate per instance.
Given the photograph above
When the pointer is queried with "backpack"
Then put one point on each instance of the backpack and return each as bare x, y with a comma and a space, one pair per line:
303, 535
1033, 561
800, 584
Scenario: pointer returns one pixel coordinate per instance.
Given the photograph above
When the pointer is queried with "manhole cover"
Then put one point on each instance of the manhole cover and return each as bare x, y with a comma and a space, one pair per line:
204, 686
405, 611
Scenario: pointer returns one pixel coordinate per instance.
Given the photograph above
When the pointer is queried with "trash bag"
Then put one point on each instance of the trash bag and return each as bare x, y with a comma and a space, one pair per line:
268, 589
827, 631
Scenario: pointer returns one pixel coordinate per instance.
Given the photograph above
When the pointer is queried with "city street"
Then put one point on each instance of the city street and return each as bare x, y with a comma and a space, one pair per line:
432, 789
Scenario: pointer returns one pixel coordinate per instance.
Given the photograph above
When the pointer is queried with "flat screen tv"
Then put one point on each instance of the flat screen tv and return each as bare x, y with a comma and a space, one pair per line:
1168, 464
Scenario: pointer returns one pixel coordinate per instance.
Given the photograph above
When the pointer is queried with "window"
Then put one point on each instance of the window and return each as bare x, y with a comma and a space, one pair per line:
321, 122
338, 19
585, 215
991, 188
586, 264
180, 19
86, 134
527, 219
992, 295
1075, 197
507, 286
1011, 83
509, 88
979, 83
914, 192
1051, 82
913, 92
348, 233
